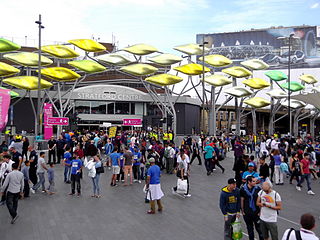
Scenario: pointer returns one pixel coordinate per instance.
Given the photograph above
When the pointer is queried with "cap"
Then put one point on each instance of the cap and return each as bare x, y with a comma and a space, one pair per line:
152, 160
251, 164
231, 181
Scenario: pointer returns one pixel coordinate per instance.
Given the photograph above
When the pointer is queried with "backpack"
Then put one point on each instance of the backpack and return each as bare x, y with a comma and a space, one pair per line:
166, 153
297, 232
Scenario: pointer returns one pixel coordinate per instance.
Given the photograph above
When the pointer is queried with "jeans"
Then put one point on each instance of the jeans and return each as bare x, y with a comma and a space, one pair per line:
142, 174
40, 182
52, 153
95, 182
75, 178
228, 227
136, 172
278, 174
267, 227
51, 186
307, 177
12, 203
169, 165
208, 164
251, 222
67, 173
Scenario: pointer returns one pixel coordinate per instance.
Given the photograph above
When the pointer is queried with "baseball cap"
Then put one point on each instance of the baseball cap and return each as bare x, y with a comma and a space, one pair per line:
152, 160
231, 181
251, 164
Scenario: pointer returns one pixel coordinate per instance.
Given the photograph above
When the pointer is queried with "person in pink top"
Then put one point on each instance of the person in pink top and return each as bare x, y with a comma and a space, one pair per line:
305, 171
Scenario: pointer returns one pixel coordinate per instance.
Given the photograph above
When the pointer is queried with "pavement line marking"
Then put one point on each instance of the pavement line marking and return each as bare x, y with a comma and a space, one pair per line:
289, 221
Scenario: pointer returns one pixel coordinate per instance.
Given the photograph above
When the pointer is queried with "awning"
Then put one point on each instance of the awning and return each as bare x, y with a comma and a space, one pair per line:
310, 98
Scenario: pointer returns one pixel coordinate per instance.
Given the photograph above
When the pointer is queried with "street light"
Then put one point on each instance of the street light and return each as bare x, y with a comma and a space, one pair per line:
203, 85
38, 128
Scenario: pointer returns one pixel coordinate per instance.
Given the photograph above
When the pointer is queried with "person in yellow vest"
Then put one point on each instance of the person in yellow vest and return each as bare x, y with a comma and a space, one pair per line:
165, 137
170, 135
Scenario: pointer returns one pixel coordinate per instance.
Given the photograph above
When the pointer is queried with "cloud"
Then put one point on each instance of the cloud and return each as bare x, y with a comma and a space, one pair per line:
316, 5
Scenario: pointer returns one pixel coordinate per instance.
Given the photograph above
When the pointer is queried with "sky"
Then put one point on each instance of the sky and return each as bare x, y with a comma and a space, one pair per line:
161, 23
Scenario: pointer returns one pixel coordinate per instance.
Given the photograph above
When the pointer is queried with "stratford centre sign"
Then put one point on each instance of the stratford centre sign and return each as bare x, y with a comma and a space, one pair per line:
109, 96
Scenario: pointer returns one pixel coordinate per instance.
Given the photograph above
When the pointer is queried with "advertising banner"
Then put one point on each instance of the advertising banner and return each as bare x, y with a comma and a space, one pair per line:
48, 128
132, 122
112, 132
4, 107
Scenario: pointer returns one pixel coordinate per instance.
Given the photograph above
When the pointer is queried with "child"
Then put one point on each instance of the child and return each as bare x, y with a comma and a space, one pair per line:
50, 189
25, 171
76, 166
67, 158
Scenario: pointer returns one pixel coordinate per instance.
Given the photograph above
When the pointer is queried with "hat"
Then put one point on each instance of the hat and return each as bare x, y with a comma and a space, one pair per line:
251, 164
231, 181
152, 160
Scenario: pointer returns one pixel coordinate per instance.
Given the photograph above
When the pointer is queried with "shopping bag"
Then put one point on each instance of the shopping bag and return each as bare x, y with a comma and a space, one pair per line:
236, 230
182, 186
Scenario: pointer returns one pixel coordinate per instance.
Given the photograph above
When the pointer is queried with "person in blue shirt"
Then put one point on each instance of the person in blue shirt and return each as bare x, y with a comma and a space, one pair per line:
115, 164
108, 149
153, 187
67, 158
250, 172
136, 164
208, 156
96, 140
76, 167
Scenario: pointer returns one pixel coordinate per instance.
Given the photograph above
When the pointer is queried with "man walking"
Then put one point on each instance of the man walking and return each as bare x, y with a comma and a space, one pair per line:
169, 153
269, 202
33, 159
250, 210
41, 168
14, 184
195, 151
230, 206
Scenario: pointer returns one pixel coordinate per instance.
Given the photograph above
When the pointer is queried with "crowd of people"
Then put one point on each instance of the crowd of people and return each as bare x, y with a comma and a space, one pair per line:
141, 157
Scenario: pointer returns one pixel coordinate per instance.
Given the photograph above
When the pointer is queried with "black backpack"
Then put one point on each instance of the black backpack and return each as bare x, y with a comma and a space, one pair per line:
297, 232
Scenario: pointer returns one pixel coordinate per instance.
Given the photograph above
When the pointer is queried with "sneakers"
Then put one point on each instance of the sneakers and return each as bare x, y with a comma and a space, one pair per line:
139, 181
173, 191
187, 195
310, 192
298, 188
14, 219
32, 191
135, 180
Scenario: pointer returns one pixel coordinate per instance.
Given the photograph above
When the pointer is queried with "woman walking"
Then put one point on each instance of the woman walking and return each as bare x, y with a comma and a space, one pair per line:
94, 164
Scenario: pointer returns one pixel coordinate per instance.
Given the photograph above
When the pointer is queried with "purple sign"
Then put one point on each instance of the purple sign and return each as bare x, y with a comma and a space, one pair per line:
48, 129
132, 122
58, 121
4, 107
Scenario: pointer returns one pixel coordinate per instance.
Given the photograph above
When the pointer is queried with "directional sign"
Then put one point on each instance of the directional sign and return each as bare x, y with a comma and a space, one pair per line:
58, 120
132, 122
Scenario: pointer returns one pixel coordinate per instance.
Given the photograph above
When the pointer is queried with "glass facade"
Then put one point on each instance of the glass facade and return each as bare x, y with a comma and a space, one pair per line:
100, 107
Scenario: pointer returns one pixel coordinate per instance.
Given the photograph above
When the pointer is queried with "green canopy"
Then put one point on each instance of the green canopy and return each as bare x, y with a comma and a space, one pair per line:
13, 94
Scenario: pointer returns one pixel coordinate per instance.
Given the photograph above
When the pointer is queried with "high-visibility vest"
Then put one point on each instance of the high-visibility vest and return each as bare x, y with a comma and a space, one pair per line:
165, 136
170, 136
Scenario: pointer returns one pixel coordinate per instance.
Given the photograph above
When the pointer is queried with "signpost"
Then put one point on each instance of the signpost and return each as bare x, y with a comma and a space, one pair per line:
132, 122
47, 113
58, 121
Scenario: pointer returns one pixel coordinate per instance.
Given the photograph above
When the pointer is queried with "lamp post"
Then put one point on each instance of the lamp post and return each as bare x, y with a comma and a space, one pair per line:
38, 128
203, 84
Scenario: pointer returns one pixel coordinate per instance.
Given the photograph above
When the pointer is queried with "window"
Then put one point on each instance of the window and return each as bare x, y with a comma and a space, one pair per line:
83, 107
98, 108
132, 108
122, 108
110, 106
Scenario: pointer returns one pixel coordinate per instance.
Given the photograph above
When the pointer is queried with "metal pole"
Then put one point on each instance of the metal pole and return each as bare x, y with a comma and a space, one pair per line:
289, 92
203, 88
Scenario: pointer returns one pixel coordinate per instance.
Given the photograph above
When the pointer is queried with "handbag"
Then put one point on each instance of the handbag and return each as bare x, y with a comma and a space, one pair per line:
182, 186
237, 230
100, 169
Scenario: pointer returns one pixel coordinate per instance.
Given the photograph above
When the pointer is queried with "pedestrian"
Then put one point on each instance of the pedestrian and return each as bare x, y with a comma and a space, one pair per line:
115, 165
50, 172
41, 168
128, 161
308, 224
6, 168
250, 210
76, 167
33, 159
98, 165
239, 168
67, 159
269, 202
153, 187
136, 164
251, 172
195, 152
25, 145
52, 144
230, 203
208, 158
278, 159
306, 175
183, 171
61, 146
16, 156
264, 171
13, 185
25, 172
169, 153
295, 167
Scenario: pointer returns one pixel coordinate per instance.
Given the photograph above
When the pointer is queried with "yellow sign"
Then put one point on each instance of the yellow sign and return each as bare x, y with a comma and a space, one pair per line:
304, 125
112, 132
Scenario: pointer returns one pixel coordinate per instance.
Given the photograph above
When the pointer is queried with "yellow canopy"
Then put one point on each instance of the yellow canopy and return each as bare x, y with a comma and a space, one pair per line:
28, 59
7, 70
237, 72
255, 64
139, 69
88, 45
114, 59
87, 66
165, 59
27, 82
217, 80
8, 46
140, 49
238, 92
164, 79
190, 49
308, 78
192, 69
256, 83
257, 102
60, 51
216, 60
60, 74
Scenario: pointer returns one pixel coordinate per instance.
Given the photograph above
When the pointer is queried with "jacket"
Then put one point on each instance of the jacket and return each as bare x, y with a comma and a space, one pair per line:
230, 201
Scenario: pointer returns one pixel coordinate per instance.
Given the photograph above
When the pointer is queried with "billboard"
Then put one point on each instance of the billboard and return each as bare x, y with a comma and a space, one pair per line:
271, 45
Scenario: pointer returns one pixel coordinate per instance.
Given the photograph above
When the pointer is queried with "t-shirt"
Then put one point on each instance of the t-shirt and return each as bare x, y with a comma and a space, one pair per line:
183, 164
238, 150
127, 158
16, 157
76, 164
114, 158
247, 173
154, 173
209, 152
305, 235
51, 143
96, 140
277, 160
268, 214
68, 157
137, 158
40, 169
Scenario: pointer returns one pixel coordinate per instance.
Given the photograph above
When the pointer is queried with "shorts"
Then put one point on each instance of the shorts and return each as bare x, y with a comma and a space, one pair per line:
267, 227
115, 169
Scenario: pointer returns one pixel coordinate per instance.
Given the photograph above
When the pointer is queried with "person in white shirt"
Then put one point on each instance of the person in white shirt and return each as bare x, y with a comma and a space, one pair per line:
183, 171
269, 202
274, 144
307, 222
6, 168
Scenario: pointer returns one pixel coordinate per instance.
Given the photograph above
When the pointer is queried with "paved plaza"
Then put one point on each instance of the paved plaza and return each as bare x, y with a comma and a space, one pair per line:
121, 212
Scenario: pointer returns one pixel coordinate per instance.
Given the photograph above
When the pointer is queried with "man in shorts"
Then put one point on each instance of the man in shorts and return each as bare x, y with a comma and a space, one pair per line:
128, 161
115, 163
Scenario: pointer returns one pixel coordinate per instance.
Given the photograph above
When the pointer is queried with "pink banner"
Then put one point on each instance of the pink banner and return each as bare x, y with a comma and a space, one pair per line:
4, 107
132, 122
48, 129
